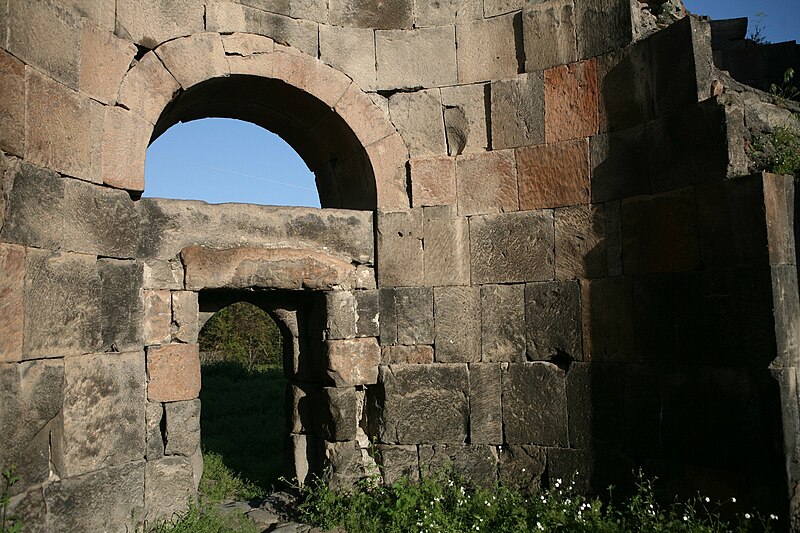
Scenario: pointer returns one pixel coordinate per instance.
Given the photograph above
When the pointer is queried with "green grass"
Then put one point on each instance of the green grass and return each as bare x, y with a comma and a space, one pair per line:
206, 520
243, 421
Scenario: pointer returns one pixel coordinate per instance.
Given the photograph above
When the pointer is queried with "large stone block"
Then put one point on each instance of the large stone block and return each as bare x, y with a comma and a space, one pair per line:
487, 49
100, 11
660, 233
147, 88
62, 128
618, 163
478, 464
353, 361
185, 325
160, 274
512, 247
34, 215
423, 404
602, 25
436, 13
340, 315
156, 22
311, 76
99, 220
418, 117
169, 487
414, 307
194, 59
12, 104
400, 251
344, 463
367, 313
157, 317
535, 415
173, 372
487, 183
31, 394
350, 50
570, 101
397, 14
154, 415
31, 27
12, 302
517, 111
389, 160
249, 54
341, 413
458, 324
298, 9
125, 141
368, 122
485, 406
548, 31
523, 467
419, 354
183, 427
465, 118
398, 462
581, 242
502, 323
779, 205
446, 251
105, 59
111, 499
433, 181
388, 314
553, 320
553, 175
608, 323
104, 404
62, 304
424, 57
625, 96
121, 304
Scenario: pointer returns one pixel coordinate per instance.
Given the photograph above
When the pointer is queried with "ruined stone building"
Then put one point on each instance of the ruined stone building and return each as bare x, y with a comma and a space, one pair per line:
542, 248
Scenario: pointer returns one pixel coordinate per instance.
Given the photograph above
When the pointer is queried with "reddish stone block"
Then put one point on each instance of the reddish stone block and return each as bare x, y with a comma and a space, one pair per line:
173, 372
147, 88
433, 181
570, 101
125, 140
553, 175
487, 183
105, 59
353, 361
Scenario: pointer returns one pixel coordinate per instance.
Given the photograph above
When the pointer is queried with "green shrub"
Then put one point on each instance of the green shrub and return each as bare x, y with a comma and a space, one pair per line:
243, 332
8, 523
778, 152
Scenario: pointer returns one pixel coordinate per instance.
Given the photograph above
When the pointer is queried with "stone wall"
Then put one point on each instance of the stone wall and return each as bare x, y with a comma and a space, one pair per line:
555, 260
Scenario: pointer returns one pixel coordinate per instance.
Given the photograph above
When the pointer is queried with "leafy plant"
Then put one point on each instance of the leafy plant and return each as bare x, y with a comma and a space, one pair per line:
758, 33
205, 520
244, 333
220, 483
786, 90
9, 523
777, 152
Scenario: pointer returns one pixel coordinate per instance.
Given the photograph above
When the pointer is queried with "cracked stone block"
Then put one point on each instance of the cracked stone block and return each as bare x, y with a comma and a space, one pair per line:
553, 320
367, 313
398, 462
105, 59
517, 111
154, 415
523, 467
343, 463
487, 49
414, 306
160, 274
548, 31
340, 314
152, 23
173, 372
553, 175
183, 427
147, 88
423, 57
485, 407
535, 415
458, 324
419, 119
341, 417
353, 361
487, 183
121, 304
194, 59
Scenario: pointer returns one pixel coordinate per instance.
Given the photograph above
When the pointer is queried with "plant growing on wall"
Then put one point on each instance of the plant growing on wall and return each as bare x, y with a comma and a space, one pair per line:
9, 523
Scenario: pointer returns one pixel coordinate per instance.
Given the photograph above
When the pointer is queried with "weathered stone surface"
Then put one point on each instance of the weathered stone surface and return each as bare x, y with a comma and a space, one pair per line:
154, 415
458, 324
435, 13
367, 313
111, 499
245, 45
423, 404
523, 467
62, 304
398, 462
779, 204
660, 233
157, 317
342, 232
169, 487
502, 323
61, 128
388, 315
517, 107
553, 175
341, 416
194, 59
389, 159
305, 456
12, 104
31, 26
340, 315
487, 49
125, 141
105, 59
787, 314
570, 101
553, 319
34, 215
350, 50
31, 394
548, 31
275, 268
534, 415
160, 274
487, 183
492, 8
121, 305
396, 14
485, 407
28, 508
311, 76
12, 302
183, 427
100, 11
153, 23
173, 372
353, 361
581, 242
619, 164
369, 123
424, 57
466, 103
104, 400
400, 248
343, 461
602, 25
418, 117
512, 247
476, 463
608, 326
414, 307
298, 9
433, 181
446, 251
625, 96
147, 88
99, 220
185, 326
418, 354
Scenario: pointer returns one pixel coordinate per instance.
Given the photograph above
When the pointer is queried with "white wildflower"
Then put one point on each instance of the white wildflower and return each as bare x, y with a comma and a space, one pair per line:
747, 516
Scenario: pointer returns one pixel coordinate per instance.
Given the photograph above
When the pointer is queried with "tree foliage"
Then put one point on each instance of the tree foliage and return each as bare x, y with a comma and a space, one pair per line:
244, 333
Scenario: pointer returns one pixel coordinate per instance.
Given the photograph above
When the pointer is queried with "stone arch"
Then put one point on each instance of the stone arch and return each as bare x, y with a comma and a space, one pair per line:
355, 151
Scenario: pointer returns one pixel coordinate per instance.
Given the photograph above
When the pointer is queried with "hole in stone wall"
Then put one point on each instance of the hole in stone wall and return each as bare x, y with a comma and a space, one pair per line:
220, 160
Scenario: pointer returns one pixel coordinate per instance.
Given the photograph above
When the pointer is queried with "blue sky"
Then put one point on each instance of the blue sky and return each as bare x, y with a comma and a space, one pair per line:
222, 160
